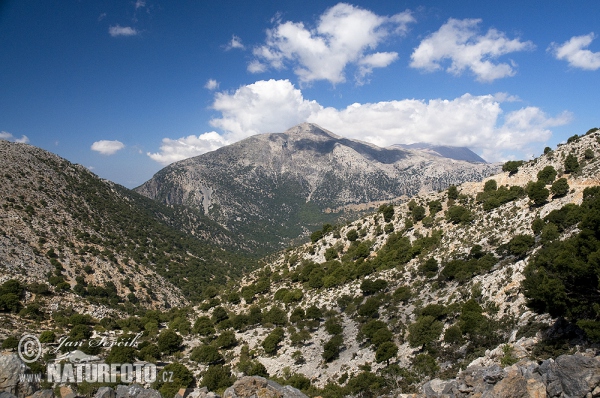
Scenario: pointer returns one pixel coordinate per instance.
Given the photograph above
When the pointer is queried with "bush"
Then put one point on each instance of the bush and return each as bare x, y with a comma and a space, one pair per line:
206, 354
204, 326
352, 235
217, 377
332, 349
10, 342
47, 336
429, 268
226, 340
519, 245
512, 166
169, 341
588, 154
386, 351
560, 187
546, 175
452, 192
418, 213
435, 206
490, 185
271, 342
370, 287
458, 214
181, 378
425, 330
537, 192
571, 164
387, 211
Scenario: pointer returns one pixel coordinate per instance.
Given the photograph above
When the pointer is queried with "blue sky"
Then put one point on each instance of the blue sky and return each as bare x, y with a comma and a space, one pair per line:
127, 87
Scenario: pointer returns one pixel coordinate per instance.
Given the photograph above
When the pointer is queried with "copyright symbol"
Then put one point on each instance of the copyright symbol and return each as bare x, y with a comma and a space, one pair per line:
29, 348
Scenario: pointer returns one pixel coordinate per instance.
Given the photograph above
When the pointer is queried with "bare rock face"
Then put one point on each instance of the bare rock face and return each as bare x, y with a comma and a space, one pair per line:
255, 386
11, 368
567, 376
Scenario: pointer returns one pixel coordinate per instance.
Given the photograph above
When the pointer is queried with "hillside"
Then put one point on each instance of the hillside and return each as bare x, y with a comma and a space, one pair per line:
75, 235
484, 289
271, 188
421, 290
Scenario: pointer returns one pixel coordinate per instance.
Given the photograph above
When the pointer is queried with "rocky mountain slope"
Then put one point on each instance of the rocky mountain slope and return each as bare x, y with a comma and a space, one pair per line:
271, 187
420, 290
486, 289
70, 233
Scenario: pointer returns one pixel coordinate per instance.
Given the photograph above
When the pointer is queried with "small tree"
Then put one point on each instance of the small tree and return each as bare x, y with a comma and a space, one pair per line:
352, 235
490, 185
217, 377
588, 154
206, 354
452, 192
537, 192
169, 342
512, 166
386, 351
560, 187
547, 174
571, 164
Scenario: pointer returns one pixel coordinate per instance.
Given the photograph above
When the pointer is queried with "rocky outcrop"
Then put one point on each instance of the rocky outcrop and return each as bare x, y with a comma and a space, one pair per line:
567, 376
11, 370
255, 386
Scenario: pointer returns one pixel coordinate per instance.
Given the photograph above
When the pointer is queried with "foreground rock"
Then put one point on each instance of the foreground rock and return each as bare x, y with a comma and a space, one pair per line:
567, 376
11, 370
256, 386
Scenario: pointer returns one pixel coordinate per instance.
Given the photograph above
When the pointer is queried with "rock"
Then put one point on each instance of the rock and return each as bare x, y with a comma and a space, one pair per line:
11, 368
43, 394
130, 391
570, 375
105, 392
67, 392
198, 393
149, 393
256, 386
438, 388
4, 394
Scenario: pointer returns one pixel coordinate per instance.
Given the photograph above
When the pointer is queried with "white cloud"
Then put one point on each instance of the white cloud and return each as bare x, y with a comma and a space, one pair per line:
459, 42
187, 147
264, 106
107, 147
272, 106
573, 52
140, 4
235, 42
119, 30
4, 135
211, 84
343, 36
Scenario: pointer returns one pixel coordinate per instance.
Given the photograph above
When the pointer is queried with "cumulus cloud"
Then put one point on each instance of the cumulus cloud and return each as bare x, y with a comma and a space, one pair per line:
459, 42
264, 106
4, 135
573, 51
187, 147
344, 35
118, 30
107, 147
235, 42
475, 121
211, 84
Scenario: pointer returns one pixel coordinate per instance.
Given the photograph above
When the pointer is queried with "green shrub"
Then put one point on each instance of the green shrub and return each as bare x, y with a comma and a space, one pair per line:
560, 187
571, 164
519, 245
452, 192
271, 342
546, 175
179, 377
512, 166
352, 235
490, 185
217, 377
206, 354
458, 214
169, 342
333, 347
425, 330
537, 192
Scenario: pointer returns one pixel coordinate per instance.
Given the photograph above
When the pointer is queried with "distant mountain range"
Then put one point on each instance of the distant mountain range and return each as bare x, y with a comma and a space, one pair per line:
450, 152
271, 188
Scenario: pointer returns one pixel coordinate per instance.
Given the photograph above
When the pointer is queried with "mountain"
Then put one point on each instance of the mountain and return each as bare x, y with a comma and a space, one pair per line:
271, 188
489, 288
450, 152
77, 235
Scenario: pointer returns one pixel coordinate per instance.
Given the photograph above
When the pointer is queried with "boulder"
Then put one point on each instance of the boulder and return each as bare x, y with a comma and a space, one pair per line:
11, 369
4, 394
43, 394
249, 386
105, 392
130, 391
570, 375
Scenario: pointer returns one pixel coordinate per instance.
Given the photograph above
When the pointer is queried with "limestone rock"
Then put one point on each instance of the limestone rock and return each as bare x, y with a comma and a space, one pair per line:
11, 367
105, 392
43, 394
260, 387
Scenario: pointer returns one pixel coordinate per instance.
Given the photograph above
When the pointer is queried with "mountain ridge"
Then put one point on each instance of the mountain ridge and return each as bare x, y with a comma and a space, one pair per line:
295, 176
